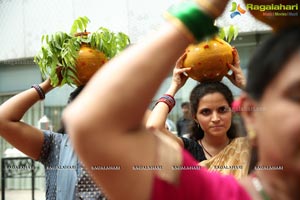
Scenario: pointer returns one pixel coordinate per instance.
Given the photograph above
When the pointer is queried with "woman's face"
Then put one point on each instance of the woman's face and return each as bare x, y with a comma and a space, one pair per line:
214, 114
278, 123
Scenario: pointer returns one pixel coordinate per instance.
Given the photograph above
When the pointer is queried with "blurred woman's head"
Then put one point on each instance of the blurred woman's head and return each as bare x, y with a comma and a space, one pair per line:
211, 110
271, 105
72, 96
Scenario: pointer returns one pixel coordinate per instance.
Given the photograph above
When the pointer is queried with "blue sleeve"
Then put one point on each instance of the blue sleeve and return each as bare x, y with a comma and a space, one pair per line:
47, 146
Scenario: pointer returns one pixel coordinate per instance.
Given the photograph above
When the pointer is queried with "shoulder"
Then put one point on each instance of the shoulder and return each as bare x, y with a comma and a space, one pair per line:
190, 143
194, 148
52, 137
51, 142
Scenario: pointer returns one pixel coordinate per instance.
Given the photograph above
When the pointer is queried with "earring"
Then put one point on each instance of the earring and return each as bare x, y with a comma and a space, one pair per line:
251, 134
198, 125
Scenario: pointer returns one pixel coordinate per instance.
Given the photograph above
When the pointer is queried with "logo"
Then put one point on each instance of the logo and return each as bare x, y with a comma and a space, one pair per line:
236, 10
272, 7
277, 10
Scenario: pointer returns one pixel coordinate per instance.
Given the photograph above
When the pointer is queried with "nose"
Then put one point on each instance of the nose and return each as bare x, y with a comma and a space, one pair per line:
215, 117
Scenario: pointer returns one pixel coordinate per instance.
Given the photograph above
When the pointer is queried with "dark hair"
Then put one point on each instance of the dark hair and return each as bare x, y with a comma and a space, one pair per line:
197, 94
270, 59
72, 96
185, 104
266, 64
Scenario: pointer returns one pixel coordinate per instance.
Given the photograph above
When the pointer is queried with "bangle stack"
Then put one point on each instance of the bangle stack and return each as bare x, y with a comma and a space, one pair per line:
39, 90
192, 21
167, 99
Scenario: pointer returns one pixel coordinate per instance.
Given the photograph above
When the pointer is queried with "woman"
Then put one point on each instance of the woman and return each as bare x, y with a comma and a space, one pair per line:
214, 138
113, 133
65, 176
270, 108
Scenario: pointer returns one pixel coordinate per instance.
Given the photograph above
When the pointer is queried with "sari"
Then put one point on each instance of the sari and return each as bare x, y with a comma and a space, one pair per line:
234, 159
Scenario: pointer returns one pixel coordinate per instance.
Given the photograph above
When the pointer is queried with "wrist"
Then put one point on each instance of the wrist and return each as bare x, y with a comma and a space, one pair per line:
42, 88
172, 90
168, 100
46, 86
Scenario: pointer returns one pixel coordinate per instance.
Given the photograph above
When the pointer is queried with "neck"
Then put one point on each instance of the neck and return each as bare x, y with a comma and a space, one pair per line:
278, 184
215, 141
214, 144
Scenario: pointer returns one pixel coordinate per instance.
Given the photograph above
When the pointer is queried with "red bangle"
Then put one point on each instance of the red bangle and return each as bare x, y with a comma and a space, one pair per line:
39, 90
167, 99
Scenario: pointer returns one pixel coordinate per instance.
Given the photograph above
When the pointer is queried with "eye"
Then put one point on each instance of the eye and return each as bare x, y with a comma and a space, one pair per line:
223, 109
205, 111
295, 98
293, 93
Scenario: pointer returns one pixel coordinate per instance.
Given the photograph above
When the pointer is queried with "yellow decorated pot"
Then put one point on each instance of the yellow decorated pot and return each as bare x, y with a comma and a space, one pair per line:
89, 60
208, 60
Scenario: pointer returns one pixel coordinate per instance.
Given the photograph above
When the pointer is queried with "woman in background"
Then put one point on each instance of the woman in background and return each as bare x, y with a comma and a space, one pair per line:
214, 140
65, 176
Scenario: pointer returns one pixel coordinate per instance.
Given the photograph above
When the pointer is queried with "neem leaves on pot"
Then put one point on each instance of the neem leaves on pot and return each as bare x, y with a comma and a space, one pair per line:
73, 58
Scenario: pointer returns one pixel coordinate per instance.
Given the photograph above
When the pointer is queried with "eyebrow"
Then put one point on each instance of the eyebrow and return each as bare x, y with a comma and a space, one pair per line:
201, 108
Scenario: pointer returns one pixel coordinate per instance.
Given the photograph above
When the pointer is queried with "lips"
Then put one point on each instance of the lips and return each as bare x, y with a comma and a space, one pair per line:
218, 126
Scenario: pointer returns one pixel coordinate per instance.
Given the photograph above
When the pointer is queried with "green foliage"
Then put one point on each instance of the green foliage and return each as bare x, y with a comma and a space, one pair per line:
228, 33
59, 50
79, 24
109, 42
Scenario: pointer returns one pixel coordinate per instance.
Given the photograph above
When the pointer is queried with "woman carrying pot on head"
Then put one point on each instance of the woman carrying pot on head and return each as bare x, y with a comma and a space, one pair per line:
214, 140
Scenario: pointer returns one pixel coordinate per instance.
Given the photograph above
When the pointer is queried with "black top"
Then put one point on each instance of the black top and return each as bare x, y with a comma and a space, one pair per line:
194, 148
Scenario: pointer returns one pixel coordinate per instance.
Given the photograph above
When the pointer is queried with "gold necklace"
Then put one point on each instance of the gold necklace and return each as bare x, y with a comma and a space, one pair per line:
206, 150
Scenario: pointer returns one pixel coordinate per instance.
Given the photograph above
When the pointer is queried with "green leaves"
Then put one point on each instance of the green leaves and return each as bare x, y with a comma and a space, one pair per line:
228, 33
79, 24
57, 57
108, 42
57, 50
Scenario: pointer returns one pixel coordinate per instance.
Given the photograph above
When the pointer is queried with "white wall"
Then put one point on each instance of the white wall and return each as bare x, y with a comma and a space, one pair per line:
23, 22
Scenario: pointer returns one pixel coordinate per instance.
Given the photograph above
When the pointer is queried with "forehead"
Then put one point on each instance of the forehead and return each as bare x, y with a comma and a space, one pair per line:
289, 77
212, 100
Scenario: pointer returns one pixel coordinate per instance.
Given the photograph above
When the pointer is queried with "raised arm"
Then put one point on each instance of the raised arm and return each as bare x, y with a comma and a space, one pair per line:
237, 76
161, 110
24, 137
105, 121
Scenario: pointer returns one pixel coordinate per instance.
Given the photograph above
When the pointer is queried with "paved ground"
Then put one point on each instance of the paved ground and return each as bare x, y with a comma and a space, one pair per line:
23, 195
